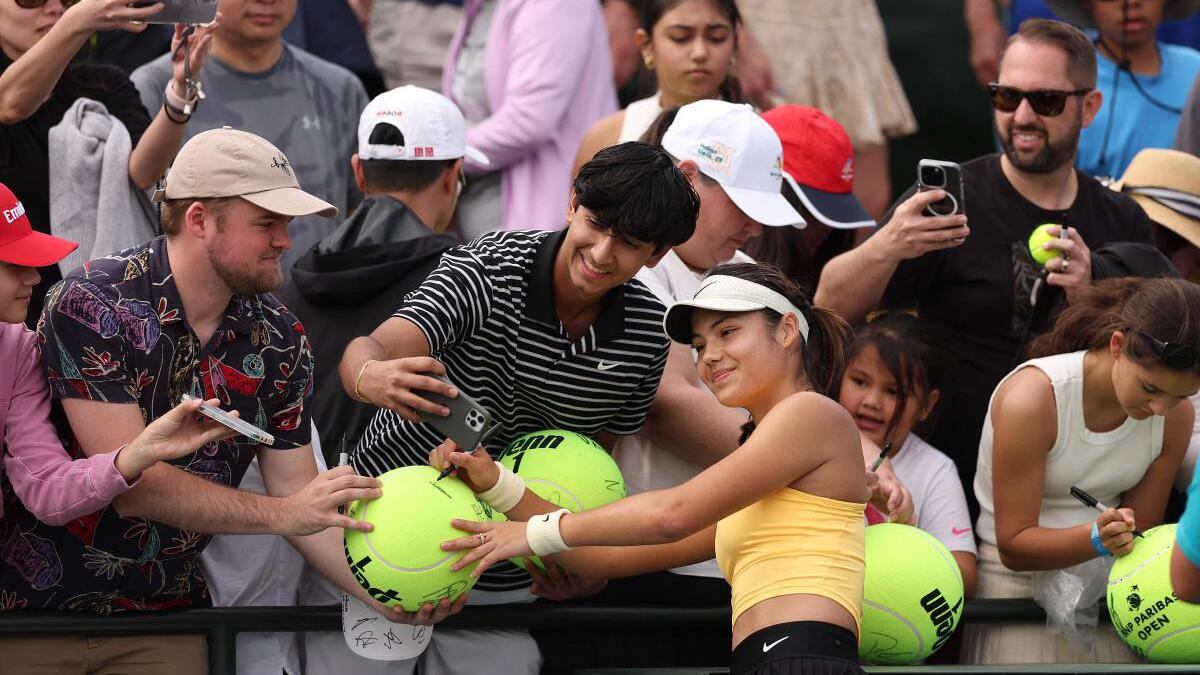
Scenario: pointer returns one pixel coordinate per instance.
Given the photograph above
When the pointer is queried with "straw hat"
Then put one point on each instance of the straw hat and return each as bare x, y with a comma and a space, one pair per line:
1076, 12
1166, 183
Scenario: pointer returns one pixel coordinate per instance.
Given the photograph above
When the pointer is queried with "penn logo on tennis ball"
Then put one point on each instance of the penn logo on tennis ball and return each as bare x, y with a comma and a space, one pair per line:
941, 614
519, 447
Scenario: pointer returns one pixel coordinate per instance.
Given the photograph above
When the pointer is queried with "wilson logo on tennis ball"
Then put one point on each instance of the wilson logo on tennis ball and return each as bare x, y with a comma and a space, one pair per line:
941, 614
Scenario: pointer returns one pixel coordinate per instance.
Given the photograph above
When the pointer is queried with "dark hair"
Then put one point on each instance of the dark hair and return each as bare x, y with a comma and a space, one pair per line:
824, 352
1081, 53
172, 211
1145, 310
392, 175
651, 11
635, 190
653, 135
906, 345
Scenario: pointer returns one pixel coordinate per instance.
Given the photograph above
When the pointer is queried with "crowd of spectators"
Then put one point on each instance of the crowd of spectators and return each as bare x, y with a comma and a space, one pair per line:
309, 212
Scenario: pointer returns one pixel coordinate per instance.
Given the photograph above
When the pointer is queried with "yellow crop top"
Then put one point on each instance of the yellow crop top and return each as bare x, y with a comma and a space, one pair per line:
794, 542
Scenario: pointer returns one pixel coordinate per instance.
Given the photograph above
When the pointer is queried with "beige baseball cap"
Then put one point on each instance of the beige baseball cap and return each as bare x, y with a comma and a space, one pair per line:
226, 162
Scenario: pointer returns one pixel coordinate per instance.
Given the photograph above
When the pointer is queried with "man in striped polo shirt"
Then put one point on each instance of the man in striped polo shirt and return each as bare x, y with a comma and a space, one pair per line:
544, 329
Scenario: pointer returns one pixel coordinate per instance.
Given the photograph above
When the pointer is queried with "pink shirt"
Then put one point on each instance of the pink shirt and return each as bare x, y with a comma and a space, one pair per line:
548, 75
53, 487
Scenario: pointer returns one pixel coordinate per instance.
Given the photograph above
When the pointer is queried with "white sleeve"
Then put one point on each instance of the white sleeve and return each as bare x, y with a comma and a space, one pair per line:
944, 512
655, 279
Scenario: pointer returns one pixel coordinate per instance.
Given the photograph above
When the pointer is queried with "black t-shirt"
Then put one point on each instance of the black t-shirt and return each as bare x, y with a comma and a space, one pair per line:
25, 146
978, 294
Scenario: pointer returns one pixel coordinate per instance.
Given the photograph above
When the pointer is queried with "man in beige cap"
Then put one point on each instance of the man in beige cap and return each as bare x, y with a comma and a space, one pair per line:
124, 338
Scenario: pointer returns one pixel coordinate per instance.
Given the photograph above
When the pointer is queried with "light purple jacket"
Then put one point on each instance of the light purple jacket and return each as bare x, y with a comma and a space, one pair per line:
54, 488
548, 75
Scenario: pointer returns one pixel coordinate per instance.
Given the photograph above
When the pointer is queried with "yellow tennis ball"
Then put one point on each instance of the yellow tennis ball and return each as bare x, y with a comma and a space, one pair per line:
400, 561
1144, 609
912, 595
564, 468
1041, 235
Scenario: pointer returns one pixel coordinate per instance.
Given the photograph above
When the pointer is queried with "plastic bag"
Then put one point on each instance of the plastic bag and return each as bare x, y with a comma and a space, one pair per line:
1071, 598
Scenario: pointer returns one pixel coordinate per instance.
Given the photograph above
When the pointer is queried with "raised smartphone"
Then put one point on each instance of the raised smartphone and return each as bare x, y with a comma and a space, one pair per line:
236, 423
935, 174
467, 420
182, 11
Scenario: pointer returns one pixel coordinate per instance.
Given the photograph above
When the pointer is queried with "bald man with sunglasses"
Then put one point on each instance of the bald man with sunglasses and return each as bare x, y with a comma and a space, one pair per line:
978, 284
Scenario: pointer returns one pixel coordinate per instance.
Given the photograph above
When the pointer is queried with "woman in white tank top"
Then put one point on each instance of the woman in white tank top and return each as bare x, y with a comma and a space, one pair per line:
689, 44
1099, 410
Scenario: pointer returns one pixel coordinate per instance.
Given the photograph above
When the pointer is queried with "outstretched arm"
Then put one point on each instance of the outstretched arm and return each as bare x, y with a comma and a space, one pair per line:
757, 468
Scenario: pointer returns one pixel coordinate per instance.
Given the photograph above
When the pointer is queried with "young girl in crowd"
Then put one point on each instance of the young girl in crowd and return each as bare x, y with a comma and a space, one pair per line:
54, 488
1097, 408
689, 44
890, 386
783, 513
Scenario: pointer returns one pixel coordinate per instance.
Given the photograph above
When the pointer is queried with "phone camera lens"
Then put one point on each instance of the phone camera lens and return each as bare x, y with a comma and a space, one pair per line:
933, 176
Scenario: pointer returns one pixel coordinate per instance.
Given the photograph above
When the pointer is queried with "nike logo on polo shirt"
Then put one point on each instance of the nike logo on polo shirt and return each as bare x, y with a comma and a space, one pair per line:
605, 365
959, 531
769, 647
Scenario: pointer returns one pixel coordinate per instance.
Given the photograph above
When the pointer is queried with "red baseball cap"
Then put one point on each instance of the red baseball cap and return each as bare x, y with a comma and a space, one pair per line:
19, 243
818, 164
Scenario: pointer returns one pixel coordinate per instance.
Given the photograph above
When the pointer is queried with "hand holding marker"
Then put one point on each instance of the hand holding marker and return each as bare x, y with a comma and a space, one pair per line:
1091, 501
887, 448
487, 436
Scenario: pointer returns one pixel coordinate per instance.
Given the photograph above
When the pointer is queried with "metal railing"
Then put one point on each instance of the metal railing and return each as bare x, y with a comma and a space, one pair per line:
222, 624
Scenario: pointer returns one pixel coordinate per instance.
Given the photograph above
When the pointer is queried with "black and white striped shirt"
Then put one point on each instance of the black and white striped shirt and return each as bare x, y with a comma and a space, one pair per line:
488, 313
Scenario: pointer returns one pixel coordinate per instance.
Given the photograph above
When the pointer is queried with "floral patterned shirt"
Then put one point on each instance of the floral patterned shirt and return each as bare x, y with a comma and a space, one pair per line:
115, 331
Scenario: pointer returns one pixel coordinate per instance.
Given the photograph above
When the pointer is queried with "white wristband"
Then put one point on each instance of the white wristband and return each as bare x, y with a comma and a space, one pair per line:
507, 491
543, 536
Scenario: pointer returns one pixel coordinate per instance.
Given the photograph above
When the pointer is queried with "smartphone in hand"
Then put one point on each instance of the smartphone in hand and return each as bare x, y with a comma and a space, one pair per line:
196, 12
467, 421
935, 174
236, 423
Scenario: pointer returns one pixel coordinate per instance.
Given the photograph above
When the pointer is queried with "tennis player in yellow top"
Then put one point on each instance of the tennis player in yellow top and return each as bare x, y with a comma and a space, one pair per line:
783, 513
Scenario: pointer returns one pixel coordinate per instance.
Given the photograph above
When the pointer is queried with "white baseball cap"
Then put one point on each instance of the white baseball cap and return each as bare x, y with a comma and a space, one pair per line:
731, 144
432, 127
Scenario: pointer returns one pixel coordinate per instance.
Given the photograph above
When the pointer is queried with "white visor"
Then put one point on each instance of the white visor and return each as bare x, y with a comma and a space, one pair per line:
727, 294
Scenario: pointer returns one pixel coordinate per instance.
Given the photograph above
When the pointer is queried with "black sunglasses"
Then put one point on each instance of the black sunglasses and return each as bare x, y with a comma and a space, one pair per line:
1045, 102
1173, 355
34, 4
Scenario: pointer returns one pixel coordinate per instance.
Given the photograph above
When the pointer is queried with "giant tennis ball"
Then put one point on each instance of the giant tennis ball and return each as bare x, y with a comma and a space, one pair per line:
1144, 610
1041, 235
400, 561
564, 468
912, 595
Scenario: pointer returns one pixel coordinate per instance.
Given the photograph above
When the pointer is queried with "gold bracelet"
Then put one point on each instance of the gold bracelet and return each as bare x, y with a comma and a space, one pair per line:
358, 381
